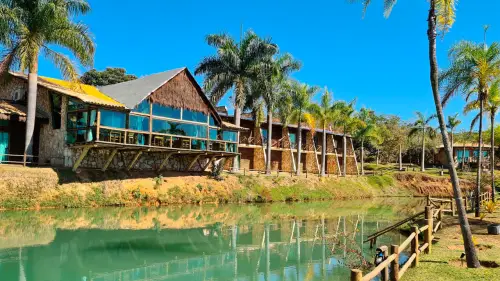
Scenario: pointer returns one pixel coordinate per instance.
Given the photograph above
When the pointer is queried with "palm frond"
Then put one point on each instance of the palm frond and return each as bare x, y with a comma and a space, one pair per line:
63, 63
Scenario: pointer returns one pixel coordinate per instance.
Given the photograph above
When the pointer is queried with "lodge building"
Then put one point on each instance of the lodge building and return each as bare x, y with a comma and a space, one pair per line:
158, 122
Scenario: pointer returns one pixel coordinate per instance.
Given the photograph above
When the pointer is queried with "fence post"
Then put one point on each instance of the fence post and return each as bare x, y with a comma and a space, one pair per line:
428, 231
465, 202
452, 207
356, 275
428, 200
440, 216
395, 263
24, 160
414, 247
244, 171
384, 274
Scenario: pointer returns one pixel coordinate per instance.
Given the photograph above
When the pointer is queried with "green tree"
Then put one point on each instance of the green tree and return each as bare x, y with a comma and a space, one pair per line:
440, 17
234, 67
301, 95
491, 107
109, 76
474, 67
273, 76
325, 114
29, 29
348, 123
422, 125
367, 132
452, 124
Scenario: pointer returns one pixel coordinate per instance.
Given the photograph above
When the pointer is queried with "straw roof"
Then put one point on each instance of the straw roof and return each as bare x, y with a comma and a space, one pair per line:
8, 110
467, 144
86, 93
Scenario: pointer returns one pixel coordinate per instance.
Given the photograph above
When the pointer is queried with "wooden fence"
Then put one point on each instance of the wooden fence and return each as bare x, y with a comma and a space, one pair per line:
390, 269
450, 205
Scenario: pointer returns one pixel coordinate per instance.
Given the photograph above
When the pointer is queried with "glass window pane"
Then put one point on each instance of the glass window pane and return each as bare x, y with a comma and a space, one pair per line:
229, 136
137, 138
179, 129
138, 123
113, 119
199, 144
293, 140
76, 105
93, 117
70, 137
56, 101
161, 126
77, 119
143, 107
211, 121
194, 116
230, 147
213, 134
166, 111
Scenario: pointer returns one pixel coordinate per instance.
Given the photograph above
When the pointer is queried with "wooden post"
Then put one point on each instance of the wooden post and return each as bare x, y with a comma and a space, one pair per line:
136, 157
414, 247
395, 263
428, 232
428, 200
109, 160
465, 202
78, 161
384, 274
452, 208
164, 162
440, 217
356, 275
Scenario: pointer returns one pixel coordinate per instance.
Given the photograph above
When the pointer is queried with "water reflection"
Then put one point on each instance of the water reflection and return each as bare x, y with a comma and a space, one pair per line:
305, 241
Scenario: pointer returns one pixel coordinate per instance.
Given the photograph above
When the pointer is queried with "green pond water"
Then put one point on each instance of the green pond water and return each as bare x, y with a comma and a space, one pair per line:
299, 241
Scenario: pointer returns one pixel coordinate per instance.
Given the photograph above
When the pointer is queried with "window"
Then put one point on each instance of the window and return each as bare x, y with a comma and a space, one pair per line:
229, 136
230, 147
75, 105
78, 119
194, 116
138, 123
166, 111
214, 134
55, 104
113, 119
179, 129
293, 140
198, 144
211, 121
143, 107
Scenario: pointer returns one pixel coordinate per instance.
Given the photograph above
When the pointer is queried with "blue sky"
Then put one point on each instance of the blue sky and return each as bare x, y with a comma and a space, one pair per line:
381, 62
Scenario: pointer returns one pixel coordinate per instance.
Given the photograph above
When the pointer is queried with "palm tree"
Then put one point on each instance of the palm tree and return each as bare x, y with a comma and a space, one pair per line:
301, 95
474, 67
422, 125
273, 74
233, 68
441, 17
348, 122
452, 124
325, 114
366, 132
29, 29
491, 107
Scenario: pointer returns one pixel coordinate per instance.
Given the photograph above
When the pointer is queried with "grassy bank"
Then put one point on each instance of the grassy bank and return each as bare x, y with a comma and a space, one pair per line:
51, 188
444, 263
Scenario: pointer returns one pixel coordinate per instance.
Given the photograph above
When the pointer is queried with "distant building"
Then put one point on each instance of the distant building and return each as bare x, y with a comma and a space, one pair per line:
464, 153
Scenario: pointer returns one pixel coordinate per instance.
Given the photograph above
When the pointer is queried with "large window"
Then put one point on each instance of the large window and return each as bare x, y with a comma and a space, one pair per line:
179, 129
81, 123
190, 115
166, 111
55, 106
211, 121
138, 123
214, 133
293, 140
143, 107
113, 119
229, 136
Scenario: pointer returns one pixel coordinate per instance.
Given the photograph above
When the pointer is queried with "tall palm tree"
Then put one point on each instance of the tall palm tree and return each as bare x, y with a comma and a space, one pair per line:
325, 114
366, 132
452, 124
440, 17
422, 125
29, 29
273, 74
233, 68
491, 107
474, 67
301, 95
348, 122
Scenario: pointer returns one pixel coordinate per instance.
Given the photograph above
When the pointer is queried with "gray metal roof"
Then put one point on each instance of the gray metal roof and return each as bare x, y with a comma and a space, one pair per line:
131, 93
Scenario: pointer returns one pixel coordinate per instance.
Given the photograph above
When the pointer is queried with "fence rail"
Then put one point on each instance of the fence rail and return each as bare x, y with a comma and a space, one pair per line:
390, 264
451, 205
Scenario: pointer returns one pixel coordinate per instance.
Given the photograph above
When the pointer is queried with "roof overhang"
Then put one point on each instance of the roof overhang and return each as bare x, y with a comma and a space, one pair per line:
18, 112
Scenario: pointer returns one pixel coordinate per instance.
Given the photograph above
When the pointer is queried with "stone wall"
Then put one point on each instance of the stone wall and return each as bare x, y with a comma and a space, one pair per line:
286, 154
96, 159
311, 163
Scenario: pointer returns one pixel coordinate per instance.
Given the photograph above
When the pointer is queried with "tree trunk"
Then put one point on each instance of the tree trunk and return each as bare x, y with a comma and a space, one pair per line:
323, 153
344, 154
492, 156
362, 158
477, 210
31, 108
422, 163
400, 158
269, 139
470, 250
237, 122
452, 145
299, 145
378, 153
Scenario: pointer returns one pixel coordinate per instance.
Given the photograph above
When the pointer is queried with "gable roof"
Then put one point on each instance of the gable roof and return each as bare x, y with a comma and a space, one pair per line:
85, 93
133, 92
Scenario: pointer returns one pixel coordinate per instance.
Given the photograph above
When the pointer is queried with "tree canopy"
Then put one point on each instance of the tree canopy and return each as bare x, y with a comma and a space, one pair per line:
109, 76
